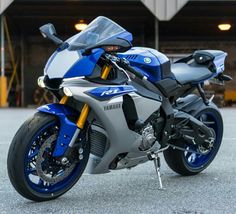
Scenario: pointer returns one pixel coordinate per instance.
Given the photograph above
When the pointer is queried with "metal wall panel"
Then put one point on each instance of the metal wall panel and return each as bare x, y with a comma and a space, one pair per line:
4, 4
164, 10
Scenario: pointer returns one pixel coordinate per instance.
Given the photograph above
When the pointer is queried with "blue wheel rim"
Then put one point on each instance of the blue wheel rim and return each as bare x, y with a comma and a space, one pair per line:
196, 161
33, 180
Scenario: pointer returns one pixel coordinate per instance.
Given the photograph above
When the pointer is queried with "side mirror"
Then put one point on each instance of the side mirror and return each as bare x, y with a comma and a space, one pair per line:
49, 31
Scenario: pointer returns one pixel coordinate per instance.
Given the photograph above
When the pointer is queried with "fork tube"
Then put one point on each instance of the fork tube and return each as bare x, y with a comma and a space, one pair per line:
80, 123
85, 110
64, 100
105, 71
83, 116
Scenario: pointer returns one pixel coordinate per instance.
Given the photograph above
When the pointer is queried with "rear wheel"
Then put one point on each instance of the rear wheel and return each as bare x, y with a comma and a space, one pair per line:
32, 169
191, 163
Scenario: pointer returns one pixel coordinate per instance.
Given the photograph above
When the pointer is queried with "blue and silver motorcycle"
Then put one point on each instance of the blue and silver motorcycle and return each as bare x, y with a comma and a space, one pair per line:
118, 106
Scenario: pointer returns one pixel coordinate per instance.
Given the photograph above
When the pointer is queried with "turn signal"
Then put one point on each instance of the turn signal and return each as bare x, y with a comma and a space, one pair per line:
111, 48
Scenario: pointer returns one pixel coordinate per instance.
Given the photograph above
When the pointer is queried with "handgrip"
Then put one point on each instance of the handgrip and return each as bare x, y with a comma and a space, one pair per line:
125, 65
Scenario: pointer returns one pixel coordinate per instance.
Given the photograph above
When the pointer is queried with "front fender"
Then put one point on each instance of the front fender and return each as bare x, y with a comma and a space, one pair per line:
67, 127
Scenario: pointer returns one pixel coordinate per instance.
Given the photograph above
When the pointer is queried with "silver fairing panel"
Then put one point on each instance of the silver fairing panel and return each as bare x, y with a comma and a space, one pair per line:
121, 138
60, 62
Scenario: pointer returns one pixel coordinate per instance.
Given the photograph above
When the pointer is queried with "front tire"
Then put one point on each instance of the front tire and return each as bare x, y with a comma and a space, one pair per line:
187, 163
23, 156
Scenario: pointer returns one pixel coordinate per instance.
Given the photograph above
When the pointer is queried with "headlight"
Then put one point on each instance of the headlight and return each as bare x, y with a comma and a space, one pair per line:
41, 82
67, 92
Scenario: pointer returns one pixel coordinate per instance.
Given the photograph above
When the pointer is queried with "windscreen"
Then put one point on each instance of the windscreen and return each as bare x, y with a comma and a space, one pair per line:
97, 31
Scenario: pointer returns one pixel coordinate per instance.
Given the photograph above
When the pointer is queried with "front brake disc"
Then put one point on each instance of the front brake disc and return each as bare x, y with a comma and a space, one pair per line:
52, 173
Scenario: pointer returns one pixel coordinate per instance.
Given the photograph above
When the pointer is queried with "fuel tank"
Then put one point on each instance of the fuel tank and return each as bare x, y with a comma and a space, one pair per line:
150, 62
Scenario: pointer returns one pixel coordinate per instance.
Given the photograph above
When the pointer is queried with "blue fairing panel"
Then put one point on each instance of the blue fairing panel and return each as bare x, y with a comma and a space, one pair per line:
85, 65
67, 128
219, 62
146, 61
107, 92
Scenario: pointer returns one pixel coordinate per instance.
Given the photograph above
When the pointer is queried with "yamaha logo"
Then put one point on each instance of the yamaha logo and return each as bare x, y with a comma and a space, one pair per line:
147, 60
111, 107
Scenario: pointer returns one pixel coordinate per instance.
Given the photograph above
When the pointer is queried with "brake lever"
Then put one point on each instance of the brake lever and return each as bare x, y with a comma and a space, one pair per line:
117, 66
114, 60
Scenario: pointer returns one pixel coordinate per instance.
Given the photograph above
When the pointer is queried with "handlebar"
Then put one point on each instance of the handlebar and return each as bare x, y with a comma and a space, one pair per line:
133, 71
124, 63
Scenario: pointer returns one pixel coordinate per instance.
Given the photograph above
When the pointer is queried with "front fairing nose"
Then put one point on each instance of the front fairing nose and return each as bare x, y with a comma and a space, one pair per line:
60, 62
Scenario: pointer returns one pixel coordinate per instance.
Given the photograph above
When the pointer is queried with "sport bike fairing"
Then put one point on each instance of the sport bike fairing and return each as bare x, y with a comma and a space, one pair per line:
70, 62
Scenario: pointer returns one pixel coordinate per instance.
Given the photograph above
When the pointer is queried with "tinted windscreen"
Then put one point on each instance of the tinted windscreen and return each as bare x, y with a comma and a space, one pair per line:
97, 31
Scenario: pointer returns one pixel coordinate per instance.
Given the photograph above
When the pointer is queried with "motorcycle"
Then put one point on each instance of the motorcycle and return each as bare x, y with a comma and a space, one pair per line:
118, 106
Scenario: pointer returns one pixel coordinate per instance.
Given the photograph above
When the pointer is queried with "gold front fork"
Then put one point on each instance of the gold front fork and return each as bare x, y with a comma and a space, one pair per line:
105, 71
83, 116
63, 100
85, 110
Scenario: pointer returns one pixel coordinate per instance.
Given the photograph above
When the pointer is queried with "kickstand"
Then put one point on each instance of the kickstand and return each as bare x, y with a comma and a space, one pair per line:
157, 164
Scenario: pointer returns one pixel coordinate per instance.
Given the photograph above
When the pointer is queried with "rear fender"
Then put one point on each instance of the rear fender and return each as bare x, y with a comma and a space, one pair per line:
191, 104
67, 128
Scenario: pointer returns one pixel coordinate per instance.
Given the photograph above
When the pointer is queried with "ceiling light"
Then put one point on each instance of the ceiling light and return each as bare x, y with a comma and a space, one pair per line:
224, 27
81, 25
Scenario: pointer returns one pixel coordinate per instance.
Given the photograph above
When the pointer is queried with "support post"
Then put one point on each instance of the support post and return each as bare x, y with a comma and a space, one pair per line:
156, 34
22, 69
3, 79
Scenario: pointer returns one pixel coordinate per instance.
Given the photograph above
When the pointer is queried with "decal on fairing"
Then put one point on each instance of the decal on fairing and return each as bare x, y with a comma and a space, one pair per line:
107, 92
112, 107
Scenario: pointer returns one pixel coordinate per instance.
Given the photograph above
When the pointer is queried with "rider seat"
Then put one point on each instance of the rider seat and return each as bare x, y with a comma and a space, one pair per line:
186, 73
197, 67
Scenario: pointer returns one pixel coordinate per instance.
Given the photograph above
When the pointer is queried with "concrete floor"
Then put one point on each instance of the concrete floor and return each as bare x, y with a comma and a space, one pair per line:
132, 191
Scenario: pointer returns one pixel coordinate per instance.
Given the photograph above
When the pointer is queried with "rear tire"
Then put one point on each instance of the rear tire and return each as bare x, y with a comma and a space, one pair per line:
180, 161
18, 155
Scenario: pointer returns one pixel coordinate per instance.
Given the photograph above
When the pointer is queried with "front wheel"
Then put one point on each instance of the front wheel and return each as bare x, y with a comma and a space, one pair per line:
190, 163
32, 169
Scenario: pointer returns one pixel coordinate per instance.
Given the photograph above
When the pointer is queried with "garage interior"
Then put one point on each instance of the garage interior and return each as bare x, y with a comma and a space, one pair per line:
194, 27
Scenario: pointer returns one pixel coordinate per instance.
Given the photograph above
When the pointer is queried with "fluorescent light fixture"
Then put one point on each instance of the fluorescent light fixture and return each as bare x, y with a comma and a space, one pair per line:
81, 25
224, 27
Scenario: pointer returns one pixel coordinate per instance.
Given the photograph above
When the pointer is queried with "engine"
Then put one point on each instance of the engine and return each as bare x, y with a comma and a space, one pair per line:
148, 138
151, 133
